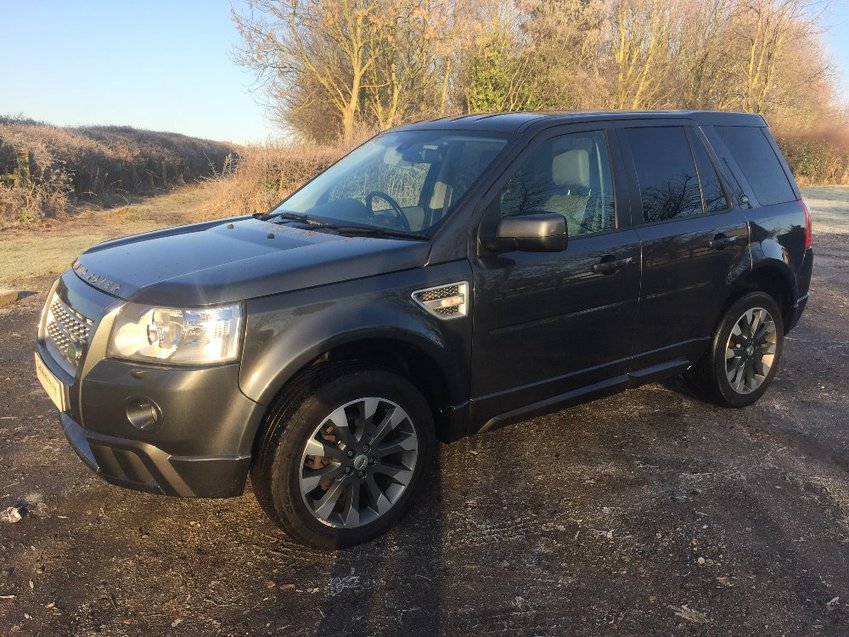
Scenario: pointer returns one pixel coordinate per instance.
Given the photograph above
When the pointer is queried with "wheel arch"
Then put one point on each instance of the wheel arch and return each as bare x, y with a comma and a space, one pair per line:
411, 356
772, 277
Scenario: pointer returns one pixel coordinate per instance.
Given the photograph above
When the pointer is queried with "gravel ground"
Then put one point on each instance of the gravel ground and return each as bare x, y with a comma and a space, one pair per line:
648, 513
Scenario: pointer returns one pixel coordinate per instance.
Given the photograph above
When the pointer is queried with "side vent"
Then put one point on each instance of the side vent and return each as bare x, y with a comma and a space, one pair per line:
445, 301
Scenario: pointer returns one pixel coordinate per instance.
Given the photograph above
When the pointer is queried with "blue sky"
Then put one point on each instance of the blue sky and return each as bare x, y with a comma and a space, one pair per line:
157, 64
837, 39
162, 64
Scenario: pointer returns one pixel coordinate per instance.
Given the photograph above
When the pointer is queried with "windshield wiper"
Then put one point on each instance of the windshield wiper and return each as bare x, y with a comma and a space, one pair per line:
368, 231
365, 231
294, 216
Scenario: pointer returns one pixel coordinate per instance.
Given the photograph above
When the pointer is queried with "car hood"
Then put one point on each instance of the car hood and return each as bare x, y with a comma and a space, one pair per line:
237, 259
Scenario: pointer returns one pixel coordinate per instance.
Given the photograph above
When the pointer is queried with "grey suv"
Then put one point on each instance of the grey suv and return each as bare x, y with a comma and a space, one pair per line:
443, 279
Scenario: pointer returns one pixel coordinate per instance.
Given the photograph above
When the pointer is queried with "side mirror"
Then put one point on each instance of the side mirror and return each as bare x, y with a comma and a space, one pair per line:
529, 233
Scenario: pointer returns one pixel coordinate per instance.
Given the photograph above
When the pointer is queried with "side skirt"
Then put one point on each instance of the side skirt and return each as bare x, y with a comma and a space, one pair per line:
587, 393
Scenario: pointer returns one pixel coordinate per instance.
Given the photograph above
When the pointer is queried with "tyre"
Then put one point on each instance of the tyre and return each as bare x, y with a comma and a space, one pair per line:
744, 353
342, 454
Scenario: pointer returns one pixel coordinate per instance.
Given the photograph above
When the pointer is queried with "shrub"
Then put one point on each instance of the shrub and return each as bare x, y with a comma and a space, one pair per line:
34, 201
58, 166
817, 157
266, 174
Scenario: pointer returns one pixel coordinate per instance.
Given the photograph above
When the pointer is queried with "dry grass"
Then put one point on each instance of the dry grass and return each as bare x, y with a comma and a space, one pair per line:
49, 246
44, 198
97, 164
264, 175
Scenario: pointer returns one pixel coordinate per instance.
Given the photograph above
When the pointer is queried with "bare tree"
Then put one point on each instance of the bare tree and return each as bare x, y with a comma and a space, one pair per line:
642, 51
703, 55
334, 66
410, 72
771, 31
327, 47
565, 43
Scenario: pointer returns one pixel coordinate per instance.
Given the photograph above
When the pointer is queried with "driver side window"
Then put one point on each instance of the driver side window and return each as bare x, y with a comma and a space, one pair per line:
568, 175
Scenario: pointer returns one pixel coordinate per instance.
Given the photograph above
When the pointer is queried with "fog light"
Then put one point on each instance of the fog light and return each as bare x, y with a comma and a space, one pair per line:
142, 413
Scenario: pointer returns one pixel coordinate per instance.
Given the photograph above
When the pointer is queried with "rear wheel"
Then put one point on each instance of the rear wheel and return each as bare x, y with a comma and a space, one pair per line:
341, 458
744, 353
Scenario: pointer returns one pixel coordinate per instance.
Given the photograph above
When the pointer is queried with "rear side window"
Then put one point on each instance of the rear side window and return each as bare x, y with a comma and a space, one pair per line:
759, 163
669, 187
712, 193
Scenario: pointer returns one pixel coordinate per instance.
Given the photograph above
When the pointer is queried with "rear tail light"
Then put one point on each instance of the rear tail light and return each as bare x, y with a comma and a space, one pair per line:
808, 240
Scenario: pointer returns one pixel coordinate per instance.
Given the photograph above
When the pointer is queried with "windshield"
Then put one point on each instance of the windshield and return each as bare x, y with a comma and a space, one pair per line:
407, 181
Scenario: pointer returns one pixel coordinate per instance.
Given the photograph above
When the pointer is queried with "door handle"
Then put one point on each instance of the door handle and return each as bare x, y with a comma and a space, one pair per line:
610, 266
720, 241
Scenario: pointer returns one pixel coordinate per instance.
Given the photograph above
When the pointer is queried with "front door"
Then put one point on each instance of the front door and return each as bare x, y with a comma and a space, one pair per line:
550, 324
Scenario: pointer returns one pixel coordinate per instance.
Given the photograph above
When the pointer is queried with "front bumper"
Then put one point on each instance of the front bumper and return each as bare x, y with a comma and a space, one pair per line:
145, 467
201, 442
200, 448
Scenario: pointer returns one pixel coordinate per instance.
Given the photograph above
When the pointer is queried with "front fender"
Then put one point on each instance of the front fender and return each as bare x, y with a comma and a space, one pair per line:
286, 332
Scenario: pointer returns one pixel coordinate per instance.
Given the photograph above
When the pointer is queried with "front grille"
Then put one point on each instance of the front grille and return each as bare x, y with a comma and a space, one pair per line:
67, 331
445, 301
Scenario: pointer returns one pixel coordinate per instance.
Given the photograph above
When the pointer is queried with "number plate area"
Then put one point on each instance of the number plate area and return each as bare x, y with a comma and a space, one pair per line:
55, 388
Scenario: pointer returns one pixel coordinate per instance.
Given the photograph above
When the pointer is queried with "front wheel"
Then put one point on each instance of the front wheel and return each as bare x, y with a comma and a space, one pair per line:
340, 459
744, 353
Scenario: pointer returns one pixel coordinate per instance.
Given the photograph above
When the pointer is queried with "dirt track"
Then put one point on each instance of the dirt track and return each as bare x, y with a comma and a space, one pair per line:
649, 513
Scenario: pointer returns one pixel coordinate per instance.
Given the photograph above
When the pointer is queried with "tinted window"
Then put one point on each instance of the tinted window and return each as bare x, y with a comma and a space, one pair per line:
712, 193
569, 175
669, 187
756, 158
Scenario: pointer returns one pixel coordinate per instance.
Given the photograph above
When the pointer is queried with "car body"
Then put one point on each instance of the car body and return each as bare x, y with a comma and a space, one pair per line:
492, 317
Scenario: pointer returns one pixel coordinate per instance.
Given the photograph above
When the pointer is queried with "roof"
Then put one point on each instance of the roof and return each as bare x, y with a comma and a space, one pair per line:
514, 123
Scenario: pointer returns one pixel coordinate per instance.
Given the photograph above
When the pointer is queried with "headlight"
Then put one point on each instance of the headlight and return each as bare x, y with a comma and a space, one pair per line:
194, 336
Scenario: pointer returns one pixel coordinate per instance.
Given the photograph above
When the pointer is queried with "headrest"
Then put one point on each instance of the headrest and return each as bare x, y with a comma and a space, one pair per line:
571, 168
440, 199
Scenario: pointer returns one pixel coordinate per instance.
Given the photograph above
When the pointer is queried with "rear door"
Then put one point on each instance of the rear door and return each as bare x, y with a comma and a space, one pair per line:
550, 323
692, 235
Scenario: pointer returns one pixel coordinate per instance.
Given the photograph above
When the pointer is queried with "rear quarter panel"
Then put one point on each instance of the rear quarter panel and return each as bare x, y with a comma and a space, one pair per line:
777, 232
778, 236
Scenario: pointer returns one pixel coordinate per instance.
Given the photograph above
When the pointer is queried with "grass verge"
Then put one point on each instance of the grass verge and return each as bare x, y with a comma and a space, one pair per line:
46, 249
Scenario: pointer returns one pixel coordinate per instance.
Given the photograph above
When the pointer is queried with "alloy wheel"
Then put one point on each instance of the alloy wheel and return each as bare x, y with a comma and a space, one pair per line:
358, 462
750, 350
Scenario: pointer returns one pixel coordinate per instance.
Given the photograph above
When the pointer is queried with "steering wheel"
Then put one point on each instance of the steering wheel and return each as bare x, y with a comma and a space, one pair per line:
396, 208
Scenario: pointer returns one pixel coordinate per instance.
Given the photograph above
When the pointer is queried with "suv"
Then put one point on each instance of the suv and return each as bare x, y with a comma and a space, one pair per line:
443, 279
